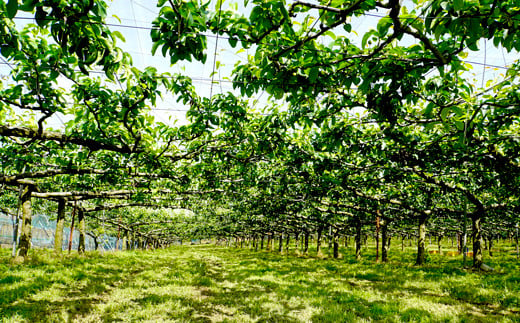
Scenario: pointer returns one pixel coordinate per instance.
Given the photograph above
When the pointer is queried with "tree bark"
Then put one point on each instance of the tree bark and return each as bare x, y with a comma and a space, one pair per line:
421, 249
26, 233
269, 241
296, 241
516, 241
335, 244
439, 245
81, 227
58, 233
477, 238
358, 240
287, 240
306, 244
384, 240
124, 246
280, 243
318, 241
378, 224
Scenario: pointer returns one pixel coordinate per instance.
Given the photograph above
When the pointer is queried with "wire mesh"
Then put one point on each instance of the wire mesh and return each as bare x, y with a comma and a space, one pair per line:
43, 232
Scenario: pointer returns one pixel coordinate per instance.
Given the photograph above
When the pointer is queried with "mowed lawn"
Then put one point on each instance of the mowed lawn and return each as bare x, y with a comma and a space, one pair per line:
206, 283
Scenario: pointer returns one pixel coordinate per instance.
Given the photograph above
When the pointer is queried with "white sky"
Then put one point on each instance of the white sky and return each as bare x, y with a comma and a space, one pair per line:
135, 21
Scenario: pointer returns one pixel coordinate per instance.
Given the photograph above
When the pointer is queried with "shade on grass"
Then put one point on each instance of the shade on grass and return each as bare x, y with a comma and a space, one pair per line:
213, 284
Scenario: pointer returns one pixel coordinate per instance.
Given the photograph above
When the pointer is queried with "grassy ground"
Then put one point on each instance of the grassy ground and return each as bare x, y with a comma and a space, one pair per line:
213, 284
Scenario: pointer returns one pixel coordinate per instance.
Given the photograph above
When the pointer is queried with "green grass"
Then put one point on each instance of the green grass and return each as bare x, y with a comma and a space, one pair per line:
216, 284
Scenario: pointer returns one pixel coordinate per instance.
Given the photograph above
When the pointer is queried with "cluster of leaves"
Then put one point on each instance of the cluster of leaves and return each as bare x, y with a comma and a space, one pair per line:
366, 126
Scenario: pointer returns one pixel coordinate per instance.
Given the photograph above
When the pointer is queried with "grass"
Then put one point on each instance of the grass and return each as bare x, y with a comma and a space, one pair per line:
216, 284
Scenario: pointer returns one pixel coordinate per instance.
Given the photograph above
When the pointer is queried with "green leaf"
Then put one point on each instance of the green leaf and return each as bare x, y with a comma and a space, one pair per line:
383, 25
313, 74
444, 114
118, 35
472, 44
12, 8
458, 4
6, 51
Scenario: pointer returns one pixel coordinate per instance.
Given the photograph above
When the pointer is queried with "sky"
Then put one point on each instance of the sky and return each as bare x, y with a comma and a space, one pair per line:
133, 18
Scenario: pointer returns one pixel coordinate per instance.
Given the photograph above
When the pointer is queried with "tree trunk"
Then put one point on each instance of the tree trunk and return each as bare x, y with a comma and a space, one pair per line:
378, 225
490, 246
421, 249
330, 238
296, 241
81, 226
358, 240
26, 233
262, 242
306, 244
287, 240
385, 240
124, 246
58, 233
335, 244
269, 241
477, 238
71, 235
516, 241
280, 243
318, 241
439, 245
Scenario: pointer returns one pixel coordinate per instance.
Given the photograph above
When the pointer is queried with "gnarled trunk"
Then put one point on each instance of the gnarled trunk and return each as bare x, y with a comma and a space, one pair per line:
421, 249
439, 244
318, 241
385, 241
26, 233
358, 240
306, 243
477, 238
81, 227
58, 233
335, 244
